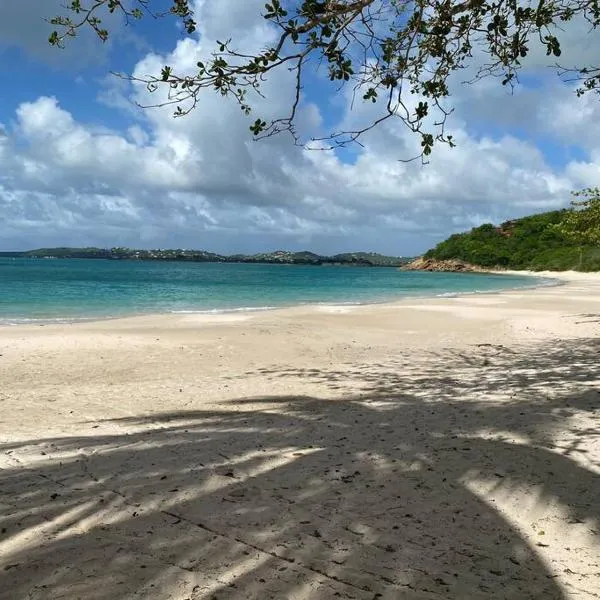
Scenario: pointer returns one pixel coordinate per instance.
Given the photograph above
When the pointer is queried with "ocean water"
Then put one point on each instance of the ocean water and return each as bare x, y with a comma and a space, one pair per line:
73, 289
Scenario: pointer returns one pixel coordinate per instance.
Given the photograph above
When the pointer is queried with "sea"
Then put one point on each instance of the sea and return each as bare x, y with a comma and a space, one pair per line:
67, 290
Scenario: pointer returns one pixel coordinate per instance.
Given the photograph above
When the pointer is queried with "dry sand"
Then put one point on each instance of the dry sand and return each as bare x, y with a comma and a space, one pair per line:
444, 448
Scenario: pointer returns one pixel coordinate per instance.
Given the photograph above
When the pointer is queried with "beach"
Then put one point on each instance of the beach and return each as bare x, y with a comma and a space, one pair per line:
423, 449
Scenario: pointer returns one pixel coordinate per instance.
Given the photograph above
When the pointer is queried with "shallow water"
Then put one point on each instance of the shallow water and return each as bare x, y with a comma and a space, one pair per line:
71, 289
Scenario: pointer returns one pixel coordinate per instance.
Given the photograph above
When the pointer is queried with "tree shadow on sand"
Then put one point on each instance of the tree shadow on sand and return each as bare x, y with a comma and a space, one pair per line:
377, 494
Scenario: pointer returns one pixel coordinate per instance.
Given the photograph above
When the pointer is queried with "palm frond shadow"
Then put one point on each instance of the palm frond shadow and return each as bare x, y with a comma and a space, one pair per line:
364, 496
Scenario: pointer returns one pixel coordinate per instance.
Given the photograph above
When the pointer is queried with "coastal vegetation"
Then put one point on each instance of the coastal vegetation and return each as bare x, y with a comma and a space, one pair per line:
559, 240
360, 259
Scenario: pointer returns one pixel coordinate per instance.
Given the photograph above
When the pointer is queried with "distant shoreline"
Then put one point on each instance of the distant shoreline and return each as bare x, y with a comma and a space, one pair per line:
356, 259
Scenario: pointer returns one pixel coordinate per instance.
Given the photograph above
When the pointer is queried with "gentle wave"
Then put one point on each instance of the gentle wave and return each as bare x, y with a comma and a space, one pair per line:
538, 282
218, 311
14, 321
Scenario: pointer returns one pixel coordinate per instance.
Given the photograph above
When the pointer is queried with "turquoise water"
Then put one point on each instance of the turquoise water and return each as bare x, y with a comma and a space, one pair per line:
74, 289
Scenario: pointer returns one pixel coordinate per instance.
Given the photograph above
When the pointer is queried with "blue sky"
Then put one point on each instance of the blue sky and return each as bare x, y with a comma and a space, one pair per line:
80, 164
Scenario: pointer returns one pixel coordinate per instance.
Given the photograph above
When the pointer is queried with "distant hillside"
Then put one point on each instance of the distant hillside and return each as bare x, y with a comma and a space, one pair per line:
532, 243
362, 259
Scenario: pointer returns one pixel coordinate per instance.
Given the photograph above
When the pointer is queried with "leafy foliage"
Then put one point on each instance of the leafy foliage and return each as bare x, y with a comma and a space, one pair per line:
582, 224
537, 242
398, 54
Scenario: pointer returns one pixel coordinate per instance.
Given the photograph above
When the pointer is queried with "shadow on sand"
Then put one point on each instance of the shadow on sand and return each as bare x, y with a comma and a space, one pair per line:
368, 496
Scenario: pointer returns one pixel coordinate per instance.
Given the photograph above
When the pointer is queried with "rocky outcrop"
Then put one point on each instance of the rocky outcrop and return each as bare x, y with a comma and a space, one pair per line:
445, 266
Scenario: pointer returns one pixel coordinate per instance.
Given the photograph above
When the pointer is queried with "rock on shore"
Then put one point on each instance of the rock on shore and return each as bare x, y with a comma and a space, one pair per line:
448, 266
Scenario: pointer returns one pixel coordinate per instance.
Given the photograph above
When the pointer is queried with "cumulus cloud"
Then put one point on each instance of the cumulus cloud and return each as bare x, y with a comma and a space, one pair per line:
200, 181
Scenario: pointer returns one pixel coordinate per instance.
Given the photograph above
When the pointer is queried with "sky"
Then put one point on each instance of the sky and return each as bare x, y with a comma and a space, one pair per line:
82, 165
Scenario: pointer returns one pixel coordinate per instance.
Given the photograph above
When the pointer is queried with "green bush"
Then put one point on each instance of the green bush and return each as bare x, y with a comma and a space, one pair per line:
535, 242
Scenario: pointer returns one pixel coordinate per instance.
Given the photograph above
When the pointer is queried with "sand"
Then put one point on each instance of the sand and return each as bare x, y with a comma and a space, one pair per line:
443, 448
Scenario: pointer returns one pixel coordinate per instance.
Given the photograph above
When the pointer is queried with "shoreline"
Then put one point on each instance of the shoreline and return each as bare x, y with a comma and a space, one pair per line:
549, 279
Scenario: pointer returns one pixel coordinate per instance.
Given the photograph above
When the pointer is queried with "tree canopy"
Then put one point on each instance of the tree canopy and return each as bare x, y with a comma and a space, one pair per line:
397, 54
582, 223
554, 241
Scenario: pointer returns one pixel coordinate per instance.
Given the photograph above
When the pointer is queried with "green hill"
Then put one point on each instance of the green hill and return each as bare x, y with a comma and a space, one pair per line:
364, 259
64, 252
534, 243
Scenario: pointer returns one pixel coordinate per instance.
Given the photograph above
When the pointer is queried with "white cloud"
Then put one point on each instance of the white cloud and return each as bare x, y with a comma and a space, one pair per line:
200, 181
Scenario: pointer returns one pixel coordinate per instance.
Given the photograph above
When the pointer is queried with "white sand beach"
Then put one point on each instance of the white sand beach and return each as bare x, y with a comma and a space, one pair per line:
429, 449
